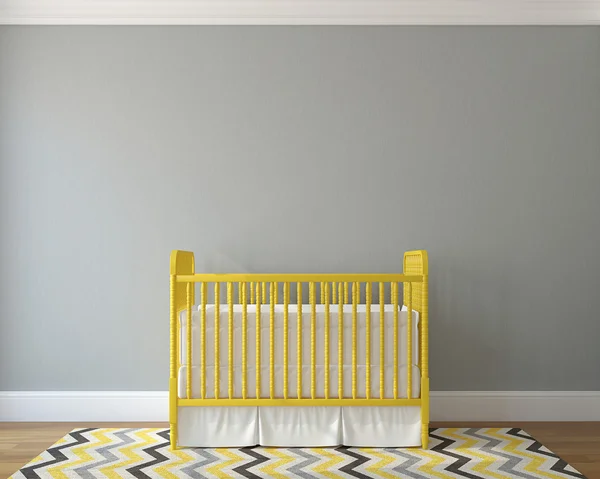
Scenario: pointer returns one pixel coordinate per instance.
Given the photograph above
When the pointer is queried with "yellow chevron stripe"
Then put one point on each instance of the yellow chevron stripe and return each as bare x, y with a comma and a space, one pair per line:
217, 469
467, 450
283, 460
81, 453
434, 461
129, 451
535, 461
385, 460
325, 467
163, 470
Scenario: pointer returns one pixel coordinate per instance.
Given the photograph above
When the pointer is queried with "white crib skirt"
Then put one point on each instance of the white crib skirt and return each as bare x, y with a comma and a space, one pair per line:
299, 426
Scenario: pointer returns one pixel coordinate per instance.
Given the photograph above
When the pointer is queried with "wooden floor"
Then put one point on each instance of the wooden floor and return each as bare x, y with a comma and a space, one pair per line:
577, 443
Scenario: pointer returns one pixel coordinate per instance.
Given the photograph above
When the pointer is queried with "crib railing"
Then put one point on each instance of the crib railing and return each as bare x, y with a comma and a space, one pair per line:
302, 290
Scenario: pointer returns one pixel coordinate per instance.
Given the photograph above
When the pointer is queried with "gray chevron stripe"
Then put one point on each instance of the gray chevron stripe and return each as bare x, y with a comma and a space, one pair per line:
125, 439
450, 451
406, 468
297, 468
208, 459
511, 461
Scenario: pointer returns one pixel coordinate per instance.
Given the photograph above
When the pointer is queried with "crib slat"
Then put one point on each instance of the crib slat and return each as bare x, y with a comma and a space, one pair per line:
244, 342
326, 291
345, 293
313, 349
334, 293
381, 339
354, 341
409, 342
239, 293
340, 342
272, 343
217, 339
299, 352
252, 293
286, 300
258, 317
263, 298
203, 343
395, 302
368, 340
322, 288
188, 298
230, 339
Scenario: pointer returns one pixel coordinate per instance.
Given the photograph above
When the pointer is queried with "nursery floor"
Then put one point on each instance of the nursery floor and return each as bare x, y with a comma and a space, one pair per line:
576, 443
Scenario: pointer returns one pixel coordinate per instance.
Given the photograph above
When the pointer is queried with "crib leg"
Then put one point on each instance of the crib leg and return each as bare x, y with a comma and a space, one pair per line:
425, 436
173, 437
424, 412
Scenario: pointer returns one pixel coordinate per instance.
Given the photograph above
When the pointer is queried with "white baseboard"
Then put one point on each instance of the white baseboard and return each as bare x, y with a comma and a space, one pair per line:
515, 405
84, 406
130, 406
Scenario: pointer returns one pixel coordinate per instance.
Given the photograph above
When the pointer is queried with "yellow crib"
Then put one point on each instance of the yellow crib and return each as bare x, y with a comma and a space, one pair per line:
285, 341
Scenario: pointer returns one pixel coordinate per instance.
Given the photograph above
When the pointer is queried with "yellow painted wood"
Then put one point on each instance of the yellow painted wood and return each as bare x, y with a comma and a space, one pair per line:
188, 388
425, 362
230, 339
313, 342
263, 289
299, 340
354, 337
340, 341
346, 292
395, 303
203, 341
326, 333
334, 292
173, 337
409, 343
272, 342
424, 411
286, 301
182, 264
173, 366
322, 289
300, 402
244, 343
368, 340
381, 338
258, 327
217, 339
299, 277
239, 293
252, 293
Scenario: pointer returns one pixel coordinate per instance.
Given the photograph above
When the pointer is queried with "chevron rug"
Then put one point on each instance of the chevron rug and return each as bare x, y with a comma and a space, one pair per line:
144, 453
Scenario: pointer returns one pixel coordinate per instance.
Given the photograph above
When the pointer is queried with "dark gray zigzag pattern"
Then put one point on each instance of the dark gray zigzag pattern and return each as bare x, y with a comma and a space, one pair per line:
30, 472
560, 466
455, 463
123, 439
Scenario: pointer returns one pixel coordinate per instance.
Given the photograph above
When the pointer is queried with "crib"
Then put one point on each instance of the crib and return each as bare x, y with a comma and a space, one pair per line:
299, 360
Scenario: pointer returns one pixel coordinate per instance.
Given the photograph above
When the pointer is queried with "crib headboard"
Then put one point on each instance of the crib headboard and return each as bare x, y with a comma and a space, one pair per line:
415, 262
182, 262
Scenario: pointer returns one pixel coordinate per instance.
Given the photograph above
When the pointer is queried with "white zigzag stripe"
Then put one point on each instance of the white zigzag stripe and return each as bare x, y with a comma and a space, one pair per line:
483, 453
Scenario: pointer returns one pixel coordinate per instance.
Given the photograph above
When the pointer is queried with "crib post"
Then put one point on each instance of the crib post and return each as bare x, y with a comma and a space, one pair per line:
425, 360
182, 262
173, 375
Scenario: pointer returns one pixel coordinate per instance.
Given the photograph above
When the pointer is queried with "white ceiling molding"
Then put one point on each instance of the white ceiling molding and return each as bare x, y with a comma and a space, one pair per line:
300, 12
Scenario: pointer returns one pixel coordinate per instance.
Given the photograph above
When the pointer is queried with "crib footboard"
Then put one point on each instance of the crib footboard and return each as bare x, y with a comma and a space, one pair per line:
299, 339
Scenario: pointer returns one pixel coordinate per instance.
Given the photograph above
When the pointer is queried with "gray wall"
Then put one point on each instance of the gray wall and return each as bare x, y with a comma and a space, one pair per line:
299, 149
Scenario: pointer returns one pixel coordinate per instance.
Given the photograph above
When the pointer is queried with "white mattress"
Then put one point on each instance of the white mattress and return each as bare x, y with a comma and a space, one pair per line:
299, 426
388, 365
